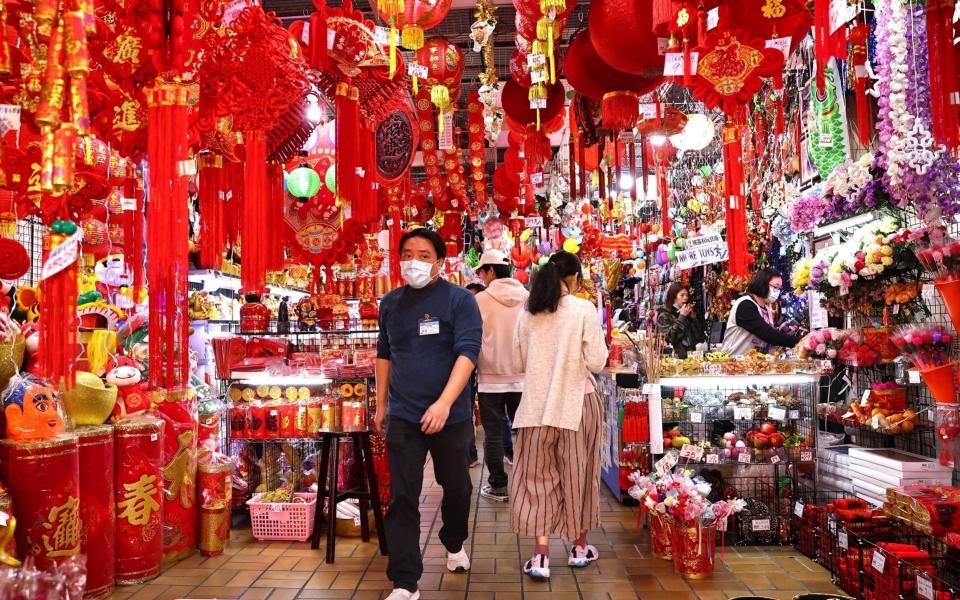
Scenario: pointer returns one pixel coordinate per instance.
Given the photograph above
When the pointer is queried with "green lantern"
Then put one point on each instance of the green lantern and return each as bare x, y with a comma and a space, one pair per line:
303, 182
706, 170
331, 179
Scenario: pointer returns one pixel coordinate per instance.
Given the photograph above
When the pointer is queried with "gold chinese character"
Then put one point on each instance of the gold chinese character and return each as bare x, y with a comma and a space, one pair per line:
179, 472
683, 17
126, 116
127, 50
774, 9
139, 500
64, 521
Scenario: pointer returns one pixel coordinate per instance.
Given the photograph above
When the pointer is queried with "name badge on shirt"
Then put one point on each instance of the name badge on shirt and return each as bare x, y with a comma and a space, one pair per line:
429, 326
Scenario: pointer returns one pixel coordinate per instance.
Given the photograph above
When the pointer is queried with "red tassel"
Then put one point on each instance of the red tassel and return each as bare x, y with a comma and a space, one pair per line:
603, 183
858, 42
348, 128
644, 164
944, 88
58, 319
664, 191
687, 64
232, 198
821, 33
254, 235
572, 175
318, 37
394, 243
275, 226
632, 149
167, 236
212, 230
736, 212
619, 110
536, 149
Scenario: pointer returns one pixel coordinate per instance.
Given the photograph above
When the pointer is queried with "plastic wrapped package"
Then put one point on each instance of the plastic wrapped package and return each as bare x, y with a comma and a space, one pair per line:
138, 442
214, 487
948, 433
98, 537
211, 413
179, 478
64, 581
47, 508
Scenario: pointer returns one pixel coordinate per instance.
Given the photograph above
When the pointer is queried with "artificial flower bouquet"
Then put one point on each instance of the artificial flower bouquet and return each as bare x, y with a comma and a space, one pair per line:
684, 498
930, 347
940, 257
823, 344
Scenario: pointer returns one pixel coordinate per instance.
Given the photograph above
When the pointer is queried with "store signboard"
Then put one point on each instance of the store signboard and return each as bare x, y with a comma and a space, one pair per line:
704, 250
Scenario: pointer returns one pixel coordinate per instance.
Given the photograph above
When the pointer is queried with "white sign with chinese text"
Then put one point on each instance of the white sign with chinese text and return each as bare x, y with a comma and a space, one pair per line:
703, 250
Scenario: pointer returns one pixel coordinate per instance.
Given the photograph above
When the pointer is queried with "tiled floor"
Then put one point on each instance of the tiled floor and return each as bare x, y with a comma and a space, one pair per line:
283, 571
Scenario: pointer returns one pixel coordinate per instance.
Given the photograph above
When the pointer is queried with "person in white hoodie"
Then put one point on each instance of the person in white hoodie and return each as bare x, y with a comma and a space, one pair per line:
500, 381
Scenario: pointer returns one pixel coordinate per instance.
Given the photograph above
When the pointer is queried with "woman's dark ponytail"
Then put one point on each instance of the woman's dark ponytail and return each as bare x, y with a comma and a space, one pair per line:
546, 290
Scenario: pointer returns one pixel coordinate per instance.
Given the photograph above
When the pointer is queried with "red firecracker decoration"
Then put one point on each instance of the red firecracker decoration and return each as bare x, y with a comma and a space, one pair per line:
58, 303
167, 236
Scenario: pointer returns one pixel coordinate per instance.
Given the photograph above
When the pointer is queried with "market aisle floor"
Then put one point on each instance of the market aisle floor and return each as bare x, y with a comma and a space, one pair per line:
283, 571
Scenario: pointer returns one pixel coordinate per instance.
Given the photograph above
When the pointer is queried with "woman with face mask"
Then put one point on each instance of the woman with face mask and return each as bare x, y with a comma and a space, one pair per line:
751, 325
676, 321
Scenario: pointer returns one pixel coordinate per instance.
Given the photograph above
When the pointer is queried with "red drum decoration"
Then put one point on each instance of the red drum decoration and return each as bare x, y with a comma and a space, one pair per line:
179, 480
620, 30
97, 519
44, 479
139, 493
14, 260
214, 491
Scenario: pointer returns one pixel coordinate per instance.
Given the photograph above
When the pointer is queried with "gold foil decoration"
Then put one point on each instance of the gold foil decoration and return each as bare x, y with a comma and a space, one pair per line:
46, 161
52, 93
6, 68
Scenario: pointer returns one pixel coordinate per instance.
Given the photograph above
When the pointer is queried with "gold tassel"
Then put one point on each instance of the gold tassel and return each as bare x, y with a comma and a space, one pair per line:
440, 96
412, 37
550, 8
393, 50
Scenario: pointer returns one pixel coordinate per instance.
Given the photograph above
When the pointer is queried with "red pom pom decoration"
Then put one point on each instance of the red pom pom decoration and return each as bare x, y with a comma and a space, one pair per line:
14, 260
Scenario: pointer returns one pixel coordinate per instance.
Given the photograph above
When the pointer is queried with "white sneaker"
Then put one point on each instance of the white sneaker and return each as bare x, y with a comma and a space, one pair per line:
459, 562
402, 594
581, 556
538, 567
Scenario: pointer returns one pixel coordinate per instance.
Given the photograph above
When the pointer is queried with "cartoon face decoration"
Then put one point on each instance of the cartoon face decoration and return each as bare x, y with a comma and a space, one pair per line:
123, 371
32, 409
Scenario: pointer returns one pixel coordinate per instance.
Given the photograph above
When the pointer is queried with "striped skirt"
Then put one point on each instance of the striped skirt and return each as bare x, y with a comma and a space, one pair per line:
555, 487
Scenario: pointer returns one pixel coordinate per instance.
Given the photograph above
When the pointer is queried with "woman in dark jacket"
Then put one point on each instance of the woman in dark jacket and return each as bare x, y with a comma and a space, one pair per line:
676, 322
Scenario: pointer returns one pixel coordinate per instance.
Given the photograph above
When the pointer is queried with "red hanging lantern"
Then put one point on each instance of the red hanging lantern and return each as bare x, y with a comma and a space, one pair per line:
620, 32
444, 62
516, 103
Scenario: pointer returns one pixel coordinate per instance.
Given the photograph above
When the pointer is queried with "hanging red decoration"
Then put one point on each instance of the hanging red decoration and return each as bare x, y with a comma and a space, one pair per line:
944, 86
478, 159
828, 43
58, 303
444, 62
769, 20
516, 103
213, 233
14, 260
620, 31
167, 236
858, 41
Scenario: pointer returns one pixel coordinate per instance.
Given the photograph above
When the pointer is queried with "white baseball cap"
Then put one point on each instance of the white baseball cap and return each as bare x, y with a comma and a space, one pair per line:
493, 257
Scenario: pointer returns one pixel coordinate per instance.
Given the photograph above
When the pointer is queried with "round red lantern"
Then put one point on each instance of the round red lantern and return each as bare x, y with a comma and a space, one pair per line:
444, 62
516, 103
416, 16
620, 32
519, 69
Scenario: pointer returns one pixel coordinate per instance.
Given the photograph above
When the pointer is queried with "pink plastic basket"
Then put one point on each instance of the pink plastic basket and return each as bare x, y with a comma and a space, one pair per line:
283, 520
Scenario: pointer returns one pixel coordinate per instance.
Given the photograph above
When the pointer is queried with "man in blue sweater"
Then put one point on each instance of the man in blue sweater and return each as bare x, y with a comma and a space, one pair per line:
430, 336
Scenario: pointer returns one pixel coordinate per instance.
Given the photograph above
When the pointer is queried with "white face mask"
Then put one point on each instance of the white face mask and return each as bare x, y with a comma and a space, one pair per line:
773, 295
416, 273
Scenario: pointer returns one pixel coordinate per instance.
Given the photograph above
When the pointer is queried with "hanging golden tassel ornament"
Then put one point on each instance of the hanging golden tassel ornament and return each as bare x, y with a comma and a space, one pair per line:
412, 37
390, 10
545, 32
551, 8
440, 96
538, 97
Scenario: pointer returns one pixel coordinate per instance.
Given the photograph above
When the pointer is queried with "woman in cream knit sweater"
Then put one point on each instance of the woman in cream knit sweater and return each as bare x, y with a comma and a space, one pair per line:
556, 474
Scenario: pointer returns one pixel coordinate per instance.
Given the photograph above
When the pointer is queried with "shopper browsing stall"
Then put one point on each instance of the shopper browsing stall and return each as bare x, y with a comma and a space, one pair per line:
750, 325
500, 379
429, 341
676, 321
556, 478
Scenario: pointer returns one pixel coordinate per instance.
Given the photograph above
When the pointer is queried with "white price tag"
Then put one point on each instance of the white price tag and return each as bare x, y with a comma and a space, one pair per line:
418, 71
673, 64
128, 204
875, 422
832, 525
924, 586
879, 560
648, 110
533, 222
651, 389
381, 35
696, 416
744, 456
232, 11
760, 524
913, 376
806, 456
781, 44
713, 459
843, 540
4, 518
840, 13
356, 521
691, 452
276, 507
865, 398
713, 18
445, 139
775, 459
777, 413
62, 256
9, 118
713, 369
798, 509
794, 414
667, 462
742, 413
538, 104
274, 413
536, 60
538, 76
153, 437
825, 140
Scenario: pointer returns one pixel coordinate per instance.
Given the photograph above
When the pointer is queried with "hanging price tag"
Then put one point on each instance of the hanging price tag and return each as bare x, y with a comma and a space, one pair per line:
879, 560
536, 60
418, 71
794, 414
913, 376
806, 456
673, 64
798, 509
691, 452
713, 369
696, 416
775, 459
924, 586
9, 118
875, 422
760, 524
648, 110
667, 462
832, 525
865, 398
538, 76
825, 140
777, 413
744, 457
128, 204
356, 521
538, 104
533, 222
713, 459
781, 44
742, 413
381, 35
713, 18
62, 256
842, 540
